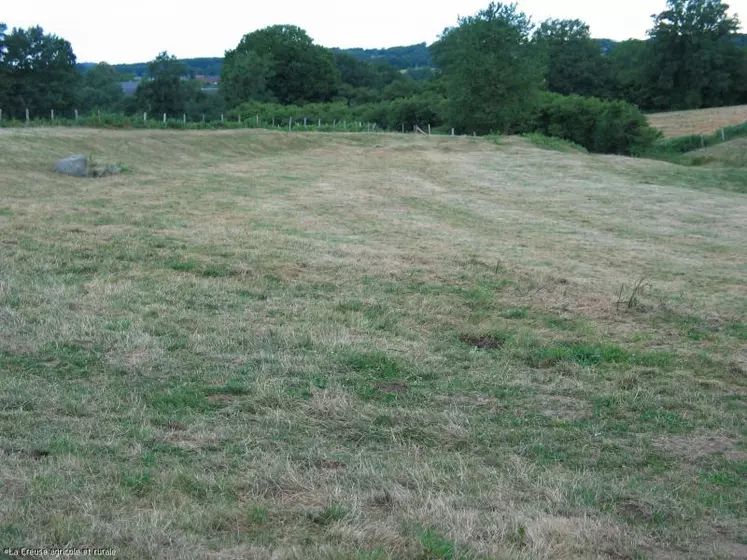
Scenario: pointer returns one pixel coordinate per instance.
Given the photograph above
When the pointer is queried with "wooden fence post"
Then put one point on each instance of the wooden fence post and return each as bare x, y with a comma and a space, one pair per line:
51, 114
27, 115
99, 115
290, 124
164, 118
203, 118
76, 115
257, 120
1, 115
319, 123
184, 118
221, 117
334, 123
723, 135
304, 122
429, 128
452, 132
345, 125
403, 128
145, 116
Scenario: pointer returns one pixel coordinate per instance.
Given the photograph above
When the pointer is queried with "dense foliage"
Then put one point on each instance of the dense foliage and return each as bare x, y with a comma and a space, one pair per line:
597, 125
37, 72
691, 61
491, 70
495, 71
293, 68
402, 58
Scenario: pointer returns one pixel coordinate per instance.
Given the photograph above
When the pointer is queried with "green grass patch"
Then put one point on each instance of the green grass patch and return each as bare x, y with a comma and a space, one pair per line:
554, 144
182, 265
516, 313
592, 355
374, 365
738, 330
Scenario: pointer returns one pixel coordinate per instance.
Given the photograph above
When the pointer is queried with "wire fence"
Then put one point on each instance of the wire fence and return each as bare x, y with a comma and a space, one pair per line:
205, 121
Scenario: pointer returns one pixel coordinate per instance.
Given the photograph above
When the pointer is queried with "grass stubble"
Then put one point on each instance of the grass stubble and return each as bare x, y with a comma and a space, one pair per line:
254, 344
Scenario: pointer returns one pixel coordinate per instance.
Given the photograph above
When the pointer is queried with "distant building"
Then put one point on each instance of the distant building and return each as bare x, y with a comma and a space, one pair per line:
208, 80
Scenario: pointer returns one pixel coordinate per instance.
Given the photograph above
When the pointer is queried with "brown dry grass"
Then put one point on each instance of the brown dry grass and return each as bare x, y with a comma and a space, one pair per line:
701, 121
252, 345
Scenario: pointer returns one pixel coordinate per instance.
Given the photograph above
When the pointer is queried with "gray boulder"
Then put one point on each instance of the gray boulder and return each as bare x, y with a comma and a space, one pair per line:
76, 165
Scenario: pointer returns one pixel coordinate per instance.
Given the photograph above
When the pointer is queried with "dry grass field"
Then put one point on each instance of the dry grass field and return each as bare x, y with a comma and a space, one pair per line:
701, 121
265, 345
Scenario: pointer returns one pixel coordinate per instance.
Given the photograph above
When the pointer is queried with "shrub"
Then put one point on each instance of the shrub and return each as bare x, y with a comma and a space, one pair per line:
613, 127
420, 110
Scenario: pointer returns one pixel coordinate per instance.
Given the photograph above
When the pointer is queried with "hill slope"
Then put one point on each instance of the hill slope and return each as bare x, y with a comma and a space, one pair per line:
257, 344
732, 153
700, 121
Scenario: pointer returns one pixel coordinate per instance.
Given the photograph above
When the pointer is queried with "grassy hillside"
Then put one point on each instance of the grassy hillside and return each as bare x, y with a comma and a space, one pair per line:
378, 346
702, 121
732, 153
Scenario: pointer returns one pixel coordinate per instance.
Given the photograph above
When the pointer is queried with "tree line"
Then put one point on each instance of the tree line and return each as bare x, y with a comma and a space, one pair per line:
495, 71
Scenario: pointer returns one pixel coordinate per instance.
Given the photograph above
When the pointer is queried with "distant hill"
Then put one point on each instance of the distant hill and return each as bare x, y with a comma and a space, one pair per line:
196, 66
402, 58
407, 58
740, 39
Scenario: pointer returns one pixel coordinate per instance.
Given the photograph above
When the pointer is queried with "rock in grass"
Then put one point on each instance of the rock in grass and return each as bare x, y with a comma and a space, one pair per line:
80, 165
105, 170
75, 165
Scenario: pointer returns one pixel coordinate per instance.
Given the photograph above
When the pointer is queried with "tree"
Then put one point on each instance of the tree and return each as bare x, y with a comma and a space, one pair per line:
4, 77
492, 74
39, 72
574, 60
101, 89
244, 76
164, 91
627, 81
354, 72
693, 60
299, 70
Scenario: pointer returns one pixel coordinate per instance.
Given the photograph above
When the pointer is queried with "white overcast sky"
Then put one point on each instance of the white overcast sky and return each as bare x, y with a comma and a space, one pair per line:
137, 30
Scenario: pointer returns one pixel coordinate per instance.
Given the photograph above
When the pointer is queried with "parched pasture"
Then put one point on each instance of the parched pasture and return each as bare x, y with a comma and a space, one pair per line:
699, 121
257, 344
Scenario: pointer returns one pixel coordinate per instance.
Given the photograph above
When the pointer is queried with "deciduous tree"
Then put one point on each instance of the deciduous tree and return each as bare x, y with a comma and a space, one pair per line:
693, 60
574, 60
299, 70
491, 71
39, 72
244, 76
101, 88
164, 91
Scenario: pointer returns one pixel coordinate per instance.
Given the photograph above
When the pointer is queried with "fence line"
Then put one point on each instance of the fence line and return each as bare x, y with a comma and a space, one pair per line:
204, 121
